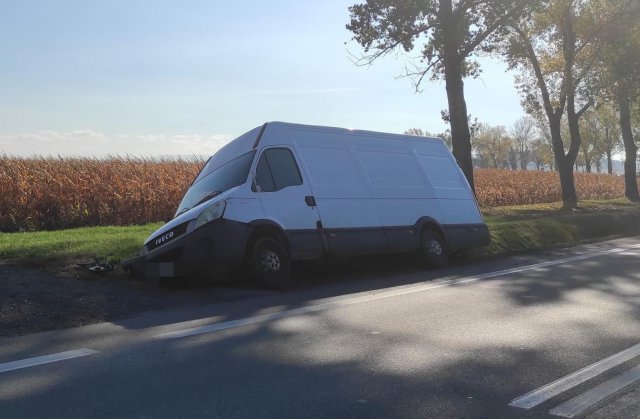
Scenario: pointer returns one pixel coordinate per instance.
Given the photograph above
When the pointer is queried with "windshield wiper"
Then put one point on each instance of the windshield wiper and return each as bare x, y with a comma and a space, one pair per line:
203, 199
182, 211
207, 197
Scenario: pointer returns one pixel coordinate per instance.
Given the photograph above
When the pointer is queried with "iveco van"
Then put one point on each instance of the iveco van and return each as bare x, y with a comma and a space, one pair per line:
286, 192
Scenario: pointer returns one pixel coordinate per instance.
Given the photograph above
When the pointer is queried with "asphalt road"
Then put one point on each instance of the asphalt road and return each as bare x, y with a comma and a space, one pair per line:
515, 337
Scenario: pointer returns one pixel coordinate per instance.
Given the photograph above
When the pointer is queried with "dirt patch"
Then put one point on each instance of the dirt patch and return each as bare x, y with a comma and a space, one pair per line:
32, 300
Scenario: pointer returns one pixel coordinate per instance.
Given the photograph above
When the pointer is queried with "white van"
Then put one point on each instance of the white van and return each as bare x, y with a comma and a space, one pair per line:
286, 192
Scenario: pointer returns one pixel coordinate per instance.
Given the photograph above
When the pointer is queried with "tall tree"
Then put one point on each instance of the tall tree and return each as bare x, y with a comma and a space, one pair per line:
452, 33
620, 73
555, 51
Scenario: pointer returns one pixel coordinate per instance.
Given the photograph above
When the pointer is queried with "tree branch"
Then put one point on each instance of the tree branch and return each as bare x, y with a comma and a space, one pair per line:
533, 59
595, 56
585, 108
421, 73
368, 59
489, 30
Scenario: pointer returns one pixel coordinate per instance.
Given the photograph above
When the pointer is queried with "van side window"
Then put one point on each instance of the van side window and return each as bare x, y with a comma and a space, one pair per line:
277, 169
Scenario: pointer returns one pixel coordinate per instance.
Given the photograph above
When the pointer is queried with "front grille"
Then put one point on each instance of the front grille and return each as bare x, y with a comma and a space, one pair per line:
167, 236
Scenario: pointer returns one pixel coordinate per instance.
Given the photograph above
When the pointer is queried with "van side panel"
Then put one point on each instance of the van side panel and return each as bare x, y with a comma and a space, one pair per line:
457, 203
350, 220
402, 193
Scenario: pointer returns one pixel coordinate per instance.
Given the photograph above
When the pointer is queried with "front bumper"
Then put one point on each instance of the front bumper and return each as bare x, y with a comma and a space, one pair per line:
210, 250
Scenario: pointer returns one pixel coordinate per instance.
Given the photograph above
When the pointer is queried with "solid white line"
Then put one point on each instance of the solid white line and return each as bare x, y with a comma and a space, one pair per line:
597, 394
563, 384
393, 292
45, 359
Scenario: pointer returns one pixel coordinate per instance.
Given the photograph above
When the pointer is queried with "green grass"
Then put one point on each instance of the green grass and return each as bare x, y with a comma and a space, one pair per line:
546, 226
61, 247
513, 229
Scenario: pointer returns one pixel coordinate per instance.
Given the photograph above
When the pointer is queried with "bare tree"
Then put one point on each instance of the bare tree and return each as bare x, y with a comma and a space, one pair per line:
523, 133
603, 123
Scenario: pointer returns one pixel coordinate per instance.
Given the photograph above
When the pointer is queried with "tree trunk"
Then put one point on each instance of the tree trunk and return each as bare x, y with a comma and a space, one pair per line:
513, 160
524, 159
458, 118
565, 164
460, 135
609, 163
569, 196
630, 147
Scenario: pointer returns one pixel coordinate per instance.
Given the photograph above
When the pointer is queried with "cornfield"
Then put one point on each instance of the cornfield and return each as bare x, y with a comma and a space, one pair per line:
54, 193
499, 187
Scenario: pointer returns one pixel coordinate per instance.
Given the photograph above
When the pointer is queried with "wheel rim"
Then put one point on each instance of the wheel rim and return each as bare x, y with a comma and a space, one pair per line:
434, 248
270, 261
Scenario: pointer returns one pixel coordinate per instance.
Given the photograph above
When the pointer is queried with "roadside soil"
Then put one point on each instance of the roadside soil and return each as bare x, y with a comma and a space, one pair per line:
32, 300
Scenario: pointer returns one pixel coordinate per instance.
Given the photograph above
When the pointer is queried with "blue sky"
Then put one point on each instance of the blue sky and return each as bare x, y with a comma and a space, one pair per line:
168, 77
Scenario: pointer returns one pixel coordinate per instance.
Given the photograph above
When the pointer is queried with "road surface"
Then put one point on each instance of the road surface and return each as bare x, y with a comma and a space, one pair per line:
548, 335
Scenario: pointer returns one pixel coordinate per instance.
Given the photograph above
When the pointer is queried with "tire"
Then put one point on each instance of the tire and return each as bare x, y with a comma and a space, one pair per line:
270, 264
434, 249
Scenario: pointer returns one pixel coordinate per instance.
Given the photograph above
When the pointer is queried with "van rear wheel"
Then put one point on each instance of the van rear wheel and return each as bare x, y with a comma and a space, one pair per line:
271, 264
434, 249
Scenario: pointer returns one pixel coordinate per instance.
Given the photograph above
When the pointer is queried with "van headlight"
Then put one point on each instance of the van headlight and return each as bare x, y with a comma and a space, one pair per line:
212, 212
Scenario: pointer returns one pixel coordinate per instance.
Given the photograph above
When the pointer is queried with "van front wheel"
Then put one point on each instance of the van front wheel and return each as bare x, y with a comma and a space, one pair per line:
271, 263
434, 249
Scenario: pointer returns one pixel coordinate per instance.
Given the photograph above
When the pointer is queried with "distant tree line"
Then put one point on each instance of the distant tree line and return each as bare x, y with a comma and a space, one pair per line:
578, 74
527, 143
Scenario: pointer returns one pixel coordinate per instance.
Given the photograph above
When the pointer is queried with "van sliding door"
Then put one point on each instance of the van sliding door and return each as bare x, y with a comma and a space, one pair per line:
349, 216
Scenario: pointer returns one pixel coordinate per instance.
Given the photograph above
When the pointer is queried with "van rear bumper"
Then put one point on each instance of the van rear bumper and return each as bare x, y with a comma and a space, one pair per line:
467, 236
210, 250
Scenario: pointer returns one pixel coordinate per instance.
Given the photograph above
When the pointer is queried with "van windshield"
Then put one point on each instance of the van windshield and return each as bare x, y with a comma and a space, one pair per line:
225, 177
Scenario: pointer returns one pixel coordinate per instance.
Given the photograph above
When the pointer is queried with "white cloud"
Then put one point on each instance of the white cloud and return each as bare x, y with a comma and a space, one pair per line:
91, 143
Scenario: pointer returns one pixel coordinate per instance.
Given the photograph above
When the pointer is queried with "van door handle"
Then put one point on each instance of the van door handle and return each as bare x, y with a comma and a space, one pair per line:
311, 201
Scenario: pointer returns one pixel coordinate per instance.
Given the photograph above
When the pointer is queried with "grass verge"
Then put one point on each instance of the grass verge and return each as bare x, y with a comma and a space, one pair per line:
546, 226
513, 229
56, 249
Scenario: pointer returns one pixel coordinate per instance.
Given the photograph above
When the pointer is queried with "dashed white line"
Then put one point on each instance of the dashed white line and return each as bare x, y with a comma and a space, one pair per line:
563, 384
393, 292
45, 359
597, 394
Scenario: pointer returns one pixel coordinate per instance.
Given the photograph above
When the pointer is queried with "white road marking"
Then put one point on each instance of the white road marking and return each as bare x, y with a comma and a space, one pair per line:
392, 292
45, 359
563, 384
597, 394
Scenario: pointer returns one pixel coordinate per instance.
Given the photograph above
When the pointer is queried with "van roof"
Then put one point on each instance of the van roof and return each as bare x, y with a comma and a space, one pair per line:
250, 140
350, 130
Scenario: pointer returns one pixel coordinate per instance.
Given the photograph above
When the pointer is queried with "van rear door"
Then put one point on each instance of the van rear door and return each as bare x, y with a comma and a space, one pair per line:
287, 200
